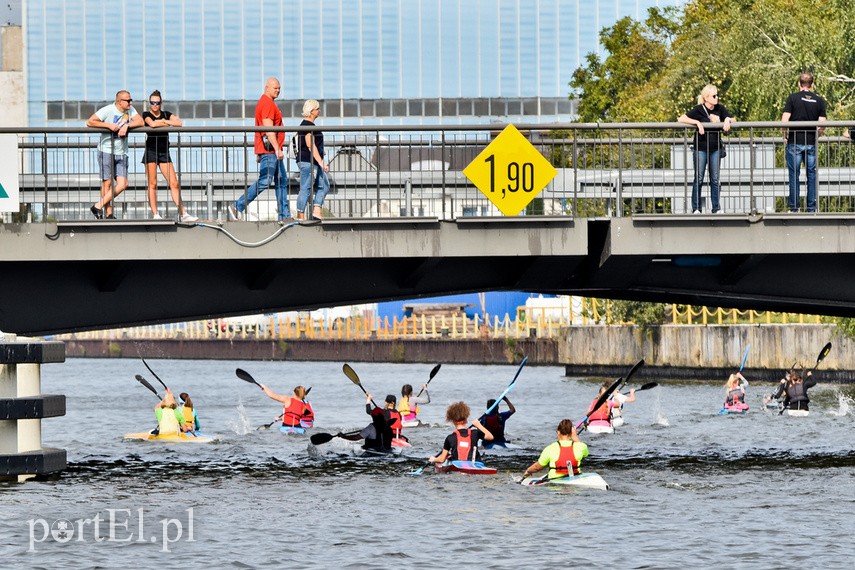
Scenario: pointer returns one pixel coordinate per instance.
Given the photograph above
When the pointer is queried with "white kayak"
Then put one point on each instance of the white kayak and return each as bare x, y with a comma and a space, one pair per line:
414, 423
585, 480
617, 421
600, 429
796, 413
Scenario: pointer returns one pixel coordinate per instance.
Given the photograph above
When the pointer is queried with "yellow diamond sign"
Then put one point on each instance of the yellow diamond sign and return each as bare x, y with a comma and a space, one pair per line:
510, 172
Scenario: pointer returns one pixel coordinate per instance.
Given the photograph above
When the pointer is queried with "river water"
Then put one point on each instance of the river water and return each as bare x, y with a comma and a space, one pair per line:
689, 488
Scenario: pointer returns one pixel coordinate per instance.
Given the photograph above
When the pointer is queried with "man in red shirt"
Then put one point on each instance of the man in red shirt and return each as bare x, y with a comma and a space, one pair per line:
269, 153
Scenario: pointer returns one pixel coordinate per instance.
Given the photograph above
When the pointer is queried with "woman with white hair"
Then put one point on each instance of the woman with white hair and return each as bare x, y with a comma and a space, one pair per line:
310, 153
708, 150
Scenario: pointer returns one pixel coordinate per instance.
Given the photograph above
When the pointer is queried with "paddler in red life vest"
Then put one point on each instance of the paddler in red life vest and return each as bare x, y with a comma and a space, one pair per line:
385, 425
462, 443
495, 422
409, 404
296, 410
602, 416
564, 457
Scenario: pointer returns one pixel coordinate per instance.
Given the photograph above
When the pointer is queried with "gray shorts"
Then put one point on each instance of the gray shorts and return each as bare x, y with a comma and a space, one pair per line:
112, 165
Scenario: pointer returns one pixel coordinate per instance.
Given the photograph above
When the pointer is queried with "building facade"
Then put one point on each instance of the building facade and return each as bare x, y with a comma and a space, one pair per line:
367, 61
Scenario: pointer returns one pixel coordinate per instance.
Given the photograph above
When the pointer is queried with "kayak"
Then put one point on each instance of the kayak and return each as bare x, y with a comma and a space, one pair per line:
729, 411
617, 421
347, 448
295, 430
467, 467
199, 437
586, 480
414, 423
500, 445
796, 413
600, 428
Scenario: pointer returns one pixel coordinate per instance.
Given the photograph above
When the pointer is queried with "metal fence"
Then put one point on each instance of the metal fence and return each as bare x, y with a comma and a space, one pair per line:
388, 172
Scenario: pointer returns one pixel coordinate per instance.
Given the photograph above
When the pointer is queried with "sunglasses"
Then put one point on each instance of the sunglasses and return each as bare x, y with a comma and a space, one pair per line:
155, 102
127, 100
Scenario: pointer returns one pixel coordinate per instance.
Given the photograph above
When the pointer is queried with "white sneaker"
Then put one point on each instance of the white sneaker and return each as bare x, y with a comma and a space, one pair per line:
696, 211
156, 216
188, 218
251, 217
234, 215
718, 212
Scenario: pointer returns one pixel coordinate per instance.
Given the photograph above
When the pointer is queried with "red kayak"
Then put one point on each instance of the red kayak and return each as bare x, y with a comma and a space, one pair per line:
468, 467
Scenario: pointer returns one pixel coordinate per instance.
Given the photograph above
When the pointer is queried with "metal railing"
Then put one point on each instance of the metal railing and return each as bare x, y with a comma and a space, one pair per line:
541, 322
389, 172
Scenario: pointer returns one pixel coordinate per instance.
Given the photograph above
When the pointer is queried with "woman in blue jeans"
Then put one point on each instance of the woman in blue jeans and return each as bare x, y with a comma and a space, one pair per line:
310, 153
707, 145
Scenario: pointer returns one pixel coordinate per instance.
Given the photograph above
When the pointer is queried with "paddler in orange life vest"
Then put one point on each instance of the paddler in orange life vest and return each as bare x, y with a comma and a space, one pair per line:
409, 404
564, 457
297, 412
462, 443
385, 425
495, 421
188, 414
602, 416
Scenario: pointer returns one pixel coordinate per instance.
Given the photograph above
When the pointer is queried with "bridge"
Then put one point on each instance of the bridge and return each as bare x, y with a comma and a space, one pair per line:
403, 222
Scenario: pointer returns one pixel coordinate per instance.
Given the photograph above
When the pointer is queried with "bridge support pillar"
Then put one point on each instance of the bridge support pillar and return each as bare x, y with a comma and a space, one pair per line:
22, 407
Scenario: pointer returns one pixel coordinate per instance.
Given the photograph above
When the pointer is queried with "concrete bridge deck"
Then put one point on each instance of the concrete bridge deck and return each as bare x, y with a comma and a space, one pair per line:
83, 275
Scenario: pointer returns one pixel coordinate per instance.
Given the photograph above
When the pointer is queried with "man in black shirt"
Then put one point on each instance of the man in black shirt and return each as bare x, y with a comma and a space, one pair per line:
803, 105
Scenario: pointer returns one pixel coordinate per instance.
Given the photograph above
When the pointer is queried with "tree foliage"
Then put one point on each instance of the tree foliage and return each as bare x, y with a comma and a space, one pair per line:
752, 50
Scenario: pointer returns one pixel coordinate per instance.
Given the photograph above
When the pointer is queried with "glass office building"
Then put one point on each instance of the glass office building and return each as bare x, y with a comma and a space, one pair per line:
367, 61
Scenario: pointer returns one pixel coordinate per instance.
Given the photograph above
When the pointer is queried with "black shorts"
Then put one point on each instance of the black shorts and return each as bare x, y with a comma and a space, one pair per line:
157, 156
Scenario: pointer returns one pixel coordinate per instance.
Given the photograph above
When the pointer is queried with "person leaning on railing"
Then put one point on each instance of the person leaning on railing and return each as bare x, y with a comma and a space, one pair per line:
708, 150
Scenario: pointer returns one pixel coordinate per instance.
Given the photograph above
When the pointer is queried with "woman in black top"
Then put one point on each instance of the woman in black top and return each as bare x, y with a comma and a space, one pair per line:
707, 145
314, 171
157, 154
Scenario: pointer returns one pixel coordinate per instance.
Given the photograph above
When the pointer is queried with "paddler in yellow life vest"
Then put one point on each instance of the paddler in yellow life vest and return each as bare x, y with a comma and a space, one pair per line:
295, 409
409, 404
169, 418
190, 421
564, 456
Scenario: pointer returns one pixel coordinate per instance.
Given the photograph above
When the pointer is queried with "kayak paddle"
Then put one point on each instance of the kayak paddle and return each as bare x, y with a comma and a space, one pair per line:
246, 377
145, 383
322, 438
354, 377
154, 374
510, 387
822, 354
643, 387
605, 395
432, 374
745, 357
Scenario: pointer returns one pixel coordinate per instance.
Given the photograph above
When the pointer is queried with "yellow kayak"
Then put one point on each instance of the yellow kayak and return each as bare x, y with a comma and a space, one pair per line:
171, 438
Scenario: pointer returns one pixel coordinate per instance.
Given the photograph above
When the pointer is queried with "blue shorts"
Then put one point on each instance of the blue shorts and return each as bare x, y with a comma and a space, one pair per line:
112, 165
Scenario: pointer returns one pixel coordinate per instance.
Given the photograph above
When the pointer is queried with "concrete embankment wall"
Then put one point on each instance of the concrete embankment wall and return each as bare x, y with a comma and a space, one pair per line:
682, 352
708, 352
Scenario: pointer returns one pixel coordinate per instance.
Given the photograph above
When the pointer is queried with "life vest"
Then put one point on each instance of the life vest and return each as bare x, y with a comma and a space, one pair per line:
293, 413
603, 413
168, 422
495, 426
797, 393
566, 457
465, 450
735, 396
308, 419
395, 422
405, 410
187, 414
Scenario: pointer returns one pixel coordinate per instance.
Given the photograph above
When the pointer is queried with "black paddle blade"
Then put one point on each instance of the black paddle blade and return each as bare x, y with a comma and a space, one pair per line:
246, 376
433, 372
321, 438
351, 373
647, 386
823, 353
145, 383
